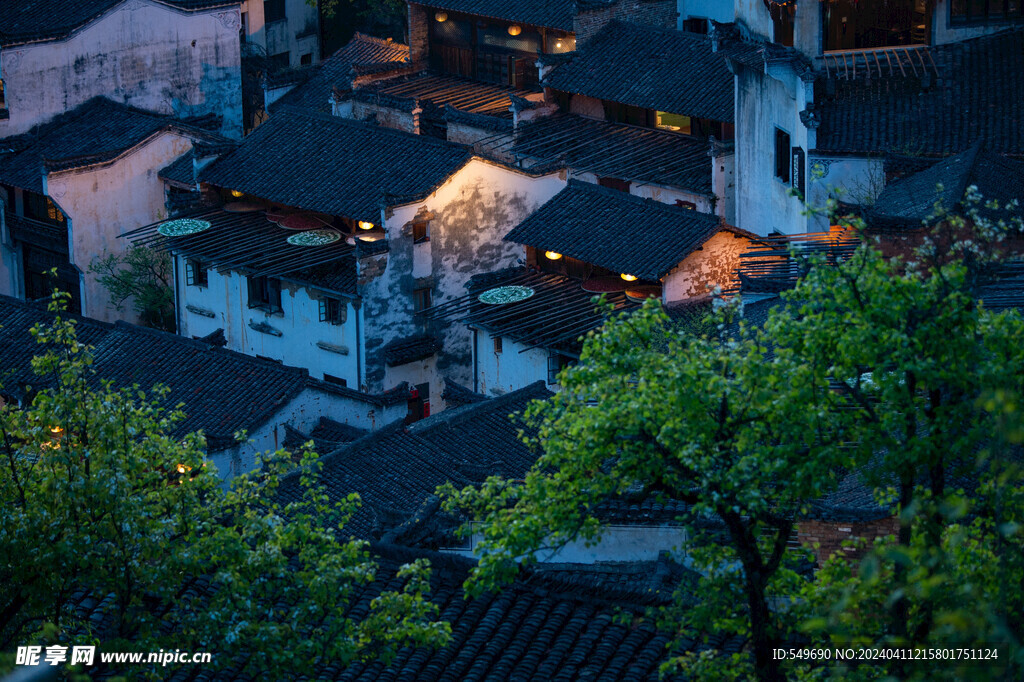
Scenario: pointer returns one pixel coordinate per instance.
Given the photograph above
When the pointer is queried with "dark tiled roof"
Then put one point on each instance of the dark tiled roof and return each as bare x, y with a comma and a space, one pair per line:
397, 468
222, 392
362, 53
977, 97
24, 21
251, 243
439, 90
912, 199
546, 13
455, 394
180, 171
653, 68
615, 230
333, 165
402, 351
327, 435
615, 150
94, 132
554, 317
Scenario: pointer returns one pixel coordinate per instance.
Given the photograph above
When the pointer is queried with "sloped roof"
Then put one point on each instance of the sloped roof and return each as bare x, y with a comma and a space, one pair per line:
96, 131
440, 90
912, 199
23, 21
395, 469
362, 53
653, 68
615, 230
977, 97
545, 13
222, 392
337, 166
180, 171
614, 150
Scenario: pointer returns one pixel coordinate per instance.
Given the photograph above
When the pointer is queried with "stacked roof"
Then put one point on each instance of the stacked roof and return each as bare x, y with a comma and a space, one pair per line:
439, 91
97, 131
333, 165
976, 97
653, 68
28, 21
616, 230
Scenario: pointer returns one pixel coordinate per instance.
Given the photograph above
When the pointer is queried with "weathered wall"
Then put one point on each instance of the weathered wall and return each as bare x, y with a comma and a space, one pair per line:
657, 13
661, 193
717, 10
723, 183
512, 369
298, 33
765, 102
700, 272
143, 53
853, 179
385, 116
468, 216
829, 536
104, 201
756, 17
299, 325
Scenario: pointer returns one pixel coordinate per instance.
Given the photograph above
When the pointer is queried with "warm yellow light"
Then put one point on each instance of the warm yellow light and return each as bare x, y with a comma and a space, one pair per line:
552, 255
441, 17
56, 430
628, 278
558, 44
514, 30
181, 468
364, 225
236, 194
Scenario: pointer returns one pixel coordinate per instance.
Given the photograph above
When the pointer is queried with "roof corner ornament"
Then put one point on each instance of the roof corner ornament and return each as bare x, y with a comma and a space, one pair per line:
810, 117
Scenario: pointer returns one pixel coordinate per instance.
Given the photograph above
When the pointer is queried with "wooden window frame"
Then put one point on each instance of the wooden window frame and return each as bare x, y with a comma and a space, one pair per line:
196, 274
265, 294
783, 165
420, 231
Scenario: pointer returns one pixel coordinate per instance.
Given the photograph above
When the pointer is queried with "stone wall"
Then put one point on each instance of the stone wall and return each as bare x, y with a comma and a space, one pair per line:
713, 265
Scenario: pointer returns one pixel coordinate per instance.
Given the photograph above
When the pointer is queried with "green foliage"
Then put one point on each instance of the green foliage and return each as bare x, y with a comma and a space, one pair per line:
143, 276
101, 499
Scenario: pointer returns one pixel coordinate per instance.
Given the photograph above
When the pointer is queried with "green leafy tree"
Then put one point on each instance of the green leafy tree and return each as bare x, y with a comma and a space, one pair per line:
144, 277
741, 433
103, 500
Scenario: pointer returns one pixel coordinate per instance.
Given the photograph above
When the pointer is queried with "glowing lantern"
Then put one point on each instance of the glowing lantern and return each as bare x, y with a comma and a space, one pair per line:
441, 17
236, 194
363, 225
558, 44
628, 278
552, 255
514, 30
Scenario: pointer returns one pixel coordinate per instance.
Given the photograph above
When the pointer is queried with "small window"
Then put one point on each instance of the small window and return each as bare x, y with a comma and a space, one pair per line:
614, 183
281, 60
3, 99
782, 24
556, 363
265, 294
332, 310
196, 274
497, 344
419, 403
420, 232
421, 298
696, 25
782, 155
273, 10
982, 10
686, 204
675, 122
306, 59
331, 379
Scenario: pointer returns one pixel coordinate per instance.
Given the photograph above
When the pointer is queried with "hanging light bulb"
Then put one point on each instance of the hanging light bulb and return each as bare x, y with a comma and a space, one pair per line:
628, 278
364, 225
552, 255
441, 17
514, 30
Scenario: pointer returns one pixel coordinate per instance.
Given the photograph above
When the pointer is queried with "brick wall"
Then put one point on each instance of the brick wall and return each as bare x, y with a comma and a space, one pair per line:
830, 535
658, 13
419, 34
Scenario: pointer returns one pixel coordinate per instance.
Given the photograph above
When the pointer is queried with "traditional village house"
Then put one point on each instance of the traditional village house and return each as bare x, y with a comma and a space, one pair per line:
287, 31
839, 92
404, 221
220, 391
578, 245
169, 56
71, 186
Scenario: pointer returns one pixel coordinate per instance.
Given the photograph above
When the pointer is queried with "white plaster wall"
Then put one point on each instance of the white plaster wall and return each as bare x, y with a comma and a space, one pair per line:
755, 15
764, 102
723, 182
103, 202
469, 216
512, 369
617, 543
666, 195
143, 53
283, 36
700, 272
226, 296
718, 10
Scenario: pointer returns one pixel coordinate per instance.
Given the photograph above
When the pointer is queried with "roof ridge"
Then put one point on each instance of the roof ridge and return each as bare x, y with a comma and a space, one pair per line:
464, 412
327, 459
368, 127
658, 205
385, 42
